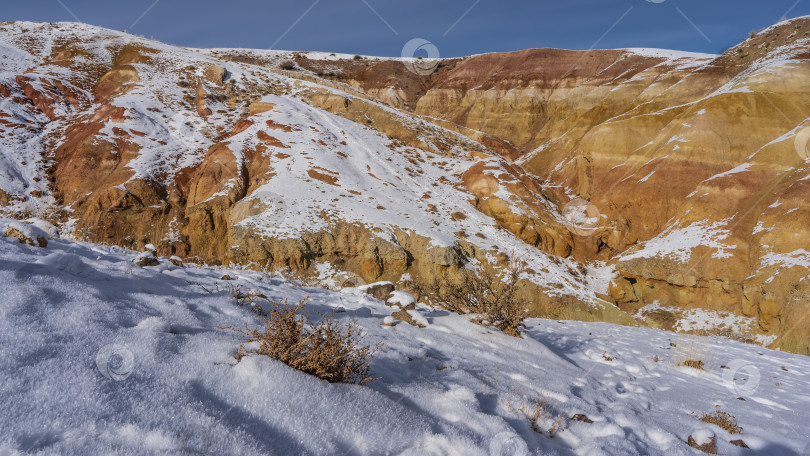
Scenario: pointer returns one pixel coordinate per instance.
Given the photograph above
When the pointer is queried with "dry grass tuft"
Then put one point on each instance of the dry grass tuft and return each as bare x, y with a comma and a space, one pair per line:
694, 364
494, 294
326, 349
539, 410
693, 350
722, 419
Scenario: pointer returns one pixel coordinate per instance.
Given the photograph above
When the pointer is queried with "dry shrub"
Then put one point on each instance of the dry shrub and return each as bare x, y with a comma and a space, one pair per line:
722, 419
326, 349
287, 65
492, 293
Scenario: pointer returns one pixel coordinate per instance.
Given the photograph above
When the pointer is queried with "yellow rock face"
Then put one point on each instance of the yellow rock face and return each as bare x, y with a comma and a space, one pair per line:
658, 146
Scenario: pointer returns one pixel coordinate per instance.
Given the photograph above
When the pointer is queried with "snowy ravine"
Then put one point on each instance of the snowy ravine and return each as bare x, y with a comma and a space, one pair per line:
443, 389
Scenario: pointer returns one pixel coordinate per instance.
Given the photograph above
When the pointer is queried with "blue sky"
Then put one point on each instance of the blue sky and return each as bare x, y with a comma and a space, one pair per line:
456, 27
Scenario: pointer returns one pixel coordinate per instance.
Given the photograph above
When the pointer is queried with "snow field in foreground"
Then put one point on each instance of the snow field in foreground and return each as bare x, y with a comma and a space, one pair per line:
104, 357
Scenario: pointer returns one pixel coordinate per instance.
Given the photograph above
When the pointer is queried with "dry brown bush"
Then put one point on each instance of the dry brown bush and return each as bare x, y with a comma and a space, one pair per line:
287, 65
494, 294
722, 419
326, 349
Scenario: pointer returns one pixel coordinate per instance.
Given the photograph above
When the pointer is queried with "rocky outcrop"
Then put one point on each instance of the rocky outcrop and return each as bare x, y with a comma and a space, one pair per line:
543, 232
707, 445
645, 139
27, 234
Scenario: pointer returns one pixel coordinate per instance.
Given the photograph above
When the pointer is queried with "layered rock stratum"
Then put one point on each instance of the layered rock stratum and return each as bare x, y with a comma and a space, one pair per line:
641, 186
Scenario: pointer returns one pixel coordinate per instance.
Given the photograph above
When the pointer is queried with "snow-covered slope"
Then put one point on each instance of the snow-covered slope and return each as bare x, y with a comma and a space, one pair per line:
171, 384
201, 156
